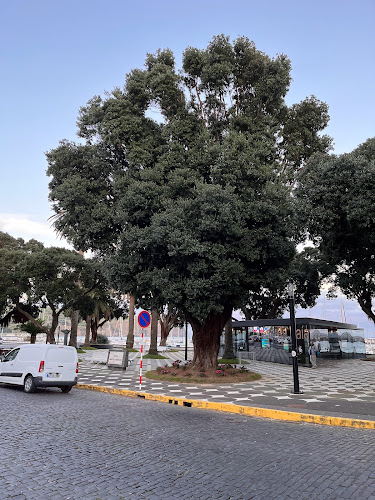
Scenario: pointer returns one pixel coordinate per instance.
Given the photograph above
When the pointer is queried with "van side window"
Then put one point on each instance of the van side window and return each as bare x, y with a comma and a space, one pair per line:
11, 355
30, 353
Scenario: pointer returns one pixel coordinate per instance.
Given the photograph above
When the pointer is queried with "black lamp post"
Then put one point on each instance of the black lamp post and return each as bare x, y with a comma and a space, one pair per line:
294, 339
186, 340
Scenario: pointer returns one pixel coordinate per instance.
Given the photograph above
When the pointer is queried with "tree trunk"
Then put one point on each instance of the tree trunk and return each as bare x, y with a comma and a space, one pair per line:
94, 330
365, 302
74, 320
130, 337
206, 338
51, 332
228, 350
246, 313
154, 332
164, 332
88, 328
167, 322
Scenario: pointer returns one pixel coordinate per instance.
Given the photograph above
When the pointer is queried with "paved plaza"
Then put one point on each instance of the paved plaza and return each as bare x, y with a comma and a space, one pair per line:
88, 445
342, 388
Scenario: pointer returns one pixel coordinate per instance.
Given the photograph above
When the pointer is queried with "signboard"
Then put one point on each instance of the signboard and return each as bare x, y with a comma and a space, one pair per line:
117, 359
144, 319
265, 343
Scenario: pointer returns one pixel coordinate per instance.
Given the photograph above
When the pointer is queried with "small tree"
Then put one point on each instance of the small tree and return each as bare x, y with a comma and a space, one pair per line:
168, 319
32, 329
34, 277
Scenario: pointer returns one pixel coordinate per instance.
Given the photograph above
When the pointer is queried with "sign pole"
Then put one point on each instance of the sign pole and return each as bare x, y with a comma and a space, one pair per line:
140, 367
144, 320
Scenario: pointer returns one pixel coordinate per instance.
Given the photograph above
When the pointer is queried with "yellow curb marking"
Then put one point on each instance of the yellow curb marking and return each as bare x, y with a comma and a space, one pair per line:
241, 410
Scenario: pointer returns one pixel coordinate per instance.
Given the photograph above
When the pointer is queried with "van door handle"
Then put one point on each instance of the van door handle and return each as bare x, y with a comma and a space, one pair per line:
61, 366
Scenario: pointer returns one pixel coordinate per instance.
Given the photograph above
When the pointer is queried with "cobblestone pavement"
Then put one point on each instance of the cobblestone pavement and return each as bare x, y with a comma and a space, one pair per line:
95, 446
341, 388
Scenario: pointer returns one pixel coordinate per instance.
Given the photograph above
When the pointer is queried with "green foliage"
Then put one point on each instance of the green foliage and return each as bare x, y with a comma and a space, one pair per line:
337, 211
32, 328
269, 298
34, 277
232, 361
102, 339
192, 210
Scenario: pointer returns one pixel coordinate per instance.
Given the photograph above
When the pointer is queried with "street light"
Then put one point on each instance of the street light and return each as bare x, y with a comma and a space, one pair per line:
294, 339
186, 340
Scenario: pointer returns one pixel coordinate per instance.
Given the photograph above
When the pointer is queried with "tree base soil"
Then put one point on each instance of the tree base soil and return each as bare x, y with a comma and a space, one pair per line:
222, 374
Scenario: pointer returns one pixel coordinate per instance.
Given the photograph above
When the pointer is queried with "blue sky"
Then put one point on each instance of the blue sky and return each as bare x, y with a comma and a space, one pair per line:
58, 54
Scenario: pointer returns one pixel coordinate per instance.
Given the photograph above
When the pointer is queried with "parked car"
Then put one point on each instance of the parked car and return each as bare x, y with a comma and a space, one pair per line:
1, 340
40, 365
239, 344
323, 346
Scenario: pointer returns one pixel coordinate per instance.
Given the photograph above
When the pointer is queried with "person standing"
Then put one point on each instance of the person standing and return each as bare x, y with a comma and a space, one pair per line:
312, 352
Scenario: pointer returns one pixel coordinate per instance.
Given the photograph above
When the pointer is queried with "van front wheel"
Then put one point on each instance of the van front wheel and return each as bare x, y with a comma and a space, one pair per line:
66, 389
28, 385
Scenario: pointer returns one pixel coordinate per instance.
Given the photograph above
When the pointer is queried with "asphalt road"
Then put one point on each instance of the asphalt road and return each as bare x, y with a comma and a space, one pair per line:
91, 445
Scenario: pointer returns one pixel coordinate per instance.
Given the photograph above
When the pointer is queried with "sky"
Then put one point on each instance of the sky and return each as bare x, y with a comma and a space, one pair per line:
56, 55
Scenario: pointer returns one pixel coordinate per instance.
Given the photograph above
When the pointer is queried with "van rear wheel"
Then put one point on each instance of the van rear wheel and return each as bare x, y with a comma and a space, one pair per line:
66, 389
28, 385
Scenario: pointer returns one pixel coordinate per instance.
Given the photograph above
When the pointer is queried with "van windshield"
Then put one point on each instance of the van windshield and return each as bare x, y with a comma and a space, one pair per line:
60, 355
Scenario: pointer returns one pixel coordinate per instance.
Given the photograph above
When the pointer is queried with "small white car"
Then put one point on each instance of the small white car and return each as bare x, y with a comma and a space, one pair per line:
323, 345
40, 365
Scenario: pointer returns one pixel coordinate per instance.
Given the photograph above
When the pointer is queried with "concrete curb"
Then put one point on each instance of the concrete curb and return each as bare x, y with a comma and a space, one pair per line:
241, 410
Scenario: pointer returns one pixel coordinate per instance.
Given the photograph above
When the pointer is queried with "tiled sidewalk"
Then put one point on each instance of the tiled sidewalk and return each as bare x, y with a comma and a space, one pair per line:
345, 388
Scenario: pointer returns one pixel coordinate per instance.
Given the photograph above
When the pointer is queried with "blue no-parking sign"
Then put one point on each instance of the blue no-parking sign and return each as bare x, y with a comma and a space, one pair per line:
144, 319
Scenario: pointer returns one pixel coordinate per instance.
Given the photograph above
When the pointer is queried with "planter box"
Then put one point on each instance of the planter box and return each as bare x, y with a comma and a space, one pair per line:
102, 346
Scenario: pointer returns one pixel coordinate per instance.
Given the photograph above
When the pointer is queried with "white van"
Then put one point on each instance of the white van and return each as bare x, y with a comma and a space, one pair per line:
40, 365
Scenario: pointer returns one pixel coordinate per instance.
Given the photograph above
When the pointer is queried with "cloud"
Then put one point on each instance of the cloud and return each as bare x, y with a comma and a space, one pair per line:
21, 226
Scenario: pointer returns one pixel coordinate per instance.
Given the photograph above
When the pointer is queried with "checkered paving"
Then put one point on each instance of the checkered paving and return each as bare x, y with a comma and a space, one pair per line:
346, 386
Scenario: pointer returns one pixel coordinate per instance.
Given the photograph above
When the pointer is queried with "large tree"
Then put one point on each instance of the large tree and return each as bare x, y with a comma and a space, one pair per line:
336, 200
190, 209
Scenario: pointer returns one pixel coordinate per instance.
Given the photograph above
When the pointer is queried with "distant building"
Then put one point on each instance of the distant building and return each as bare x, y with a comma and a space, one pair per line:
370, 346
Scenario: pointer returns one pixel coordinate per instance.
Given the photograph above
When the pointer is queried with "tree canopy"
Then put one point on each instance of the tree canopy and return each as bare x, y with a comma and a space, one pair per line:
34, 277
336, 201
190, 209
270, 298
